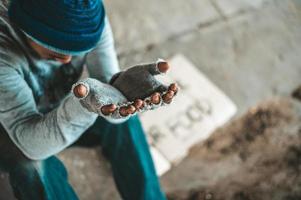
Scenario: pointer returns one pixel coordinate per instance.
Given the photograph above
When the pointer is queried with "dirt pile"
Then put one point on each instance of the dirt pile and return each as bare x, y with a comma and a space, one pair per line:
255, 157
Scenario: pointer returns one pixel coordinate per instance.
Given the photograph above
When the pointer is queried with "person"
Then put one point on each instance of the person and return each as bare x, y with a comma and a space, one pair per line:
45, 46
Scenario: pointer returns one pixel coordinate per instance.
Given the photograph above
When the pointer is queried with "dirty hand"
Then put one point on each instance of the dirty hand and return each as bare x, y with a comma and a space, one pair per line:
139, 82
107, 101
131, 91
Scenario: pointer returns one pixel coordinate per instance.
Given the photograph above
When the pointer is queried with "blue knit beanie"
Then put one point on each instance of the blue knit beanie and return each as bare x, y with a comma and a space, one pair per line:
65, 26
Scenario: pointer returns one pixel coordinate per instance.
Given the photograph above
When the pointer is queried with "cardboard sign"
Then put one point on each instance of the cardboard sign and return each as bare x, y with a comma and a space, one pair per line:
198, 109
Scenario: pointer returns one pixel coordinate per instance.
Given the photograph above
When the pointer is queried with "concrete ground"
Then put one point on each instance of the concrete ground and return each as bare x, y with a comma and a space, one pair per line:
249, 49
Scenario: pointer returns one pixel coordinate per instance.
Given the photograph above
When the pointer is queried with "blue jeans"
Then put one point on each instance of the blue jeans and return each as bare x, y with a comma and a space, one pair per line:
124, 145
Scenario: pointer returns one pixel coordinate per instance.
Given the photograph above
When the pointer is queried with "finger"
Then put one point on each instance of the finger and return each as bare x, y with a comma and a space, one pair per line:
80, 90
138, 103
159, 67
163, 66
123, 111
173, 87
108, 109
168, 96
130, 109
155, 98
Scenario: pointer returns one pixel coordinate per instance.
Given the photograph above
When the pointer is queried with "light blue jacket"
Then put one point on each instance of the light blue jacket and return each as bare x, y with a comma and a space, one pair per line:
36, 107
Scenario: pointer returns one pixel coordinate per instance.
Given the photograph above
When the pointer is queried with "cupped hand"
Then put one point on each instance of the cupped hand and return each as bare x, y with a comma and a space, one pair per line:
106, 100
139, 82
132, 91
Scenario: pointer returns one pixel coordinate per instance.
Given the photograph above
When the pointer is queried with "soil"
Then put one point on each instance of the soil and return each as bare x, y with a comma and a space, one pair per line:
255, 157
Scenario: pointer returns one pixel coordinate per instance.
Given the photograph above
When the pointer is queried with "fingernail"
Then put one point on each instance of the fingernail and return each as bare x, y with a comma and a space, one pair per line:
130, 109
173, 87
163, 67
138, 103
112, 108
168, 101
170, 93
123, 111
104, 111
168, 96
108, 109
155, 98
80, 91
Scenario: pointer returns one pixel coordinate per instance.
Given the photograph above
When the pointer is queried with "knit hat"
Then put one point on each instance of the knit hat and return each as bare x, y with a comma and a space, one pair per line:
64, 26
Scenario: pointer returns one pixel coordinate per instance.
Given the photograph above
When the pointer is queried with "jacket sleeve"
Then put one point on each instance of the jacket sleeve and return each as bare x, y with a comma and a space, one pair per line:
102, 62
38, 136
